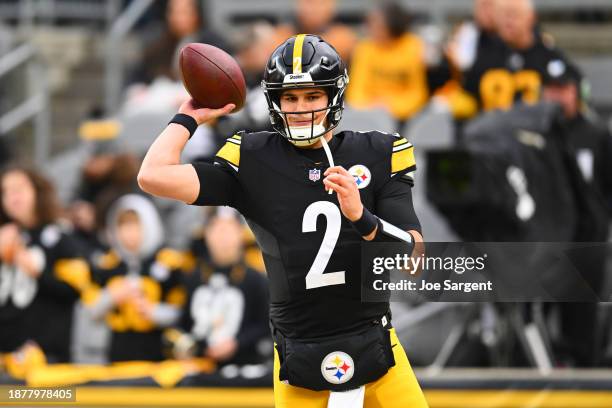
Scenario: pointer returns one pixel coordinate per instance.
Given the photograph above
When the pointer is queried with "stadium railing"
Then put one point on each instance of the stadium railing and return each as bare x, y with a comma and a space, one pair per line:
36, 106
26, 12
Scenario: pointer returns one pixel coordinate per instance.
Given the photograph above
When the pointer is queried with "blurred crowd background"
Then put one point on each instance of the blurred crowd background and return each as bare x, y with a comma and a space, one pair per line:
508, 104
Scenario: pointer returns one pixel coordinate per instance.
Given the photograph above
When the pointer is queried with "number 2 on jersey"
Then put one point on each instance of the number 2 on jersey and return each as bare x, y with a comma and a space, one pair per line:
315, 277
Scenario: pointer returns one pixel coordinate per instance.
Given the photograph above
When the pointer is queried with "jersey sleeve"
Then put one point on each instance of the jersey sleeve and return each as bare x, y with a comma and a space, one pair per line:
393, 200
403, 163
219, 183
394, 205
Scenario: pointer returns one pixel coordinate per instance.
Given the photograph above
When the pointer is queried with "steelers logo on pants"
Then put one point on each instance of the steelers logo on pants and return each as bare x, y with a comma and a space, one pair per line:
337, 367
361, 174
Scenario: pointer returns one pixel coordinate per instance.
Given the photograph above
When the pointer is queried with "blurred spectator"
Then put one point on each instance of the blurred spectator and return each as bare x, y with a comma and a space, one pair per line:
227, 312
41, 272
591, 145
108, 172
388, 70
471, 36
589, 139
139, 292
156, 84
106, 175
518, 77
317, 17
473, 47
500, 70
253, 47
183, 24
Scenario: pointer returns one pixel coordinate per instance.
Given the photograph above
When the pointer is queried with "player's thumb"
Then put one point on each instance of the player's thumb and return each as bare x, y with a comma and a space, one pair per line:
224, 110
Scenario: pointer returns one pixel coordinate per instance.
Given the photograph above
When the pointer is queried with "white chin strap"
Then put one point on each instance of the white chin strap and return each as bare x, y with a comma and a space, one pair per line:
304, 132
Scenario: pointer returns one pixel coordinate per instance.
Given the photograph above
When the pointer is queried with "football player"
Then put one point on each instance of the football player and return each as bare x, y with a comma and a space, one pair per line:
311, 198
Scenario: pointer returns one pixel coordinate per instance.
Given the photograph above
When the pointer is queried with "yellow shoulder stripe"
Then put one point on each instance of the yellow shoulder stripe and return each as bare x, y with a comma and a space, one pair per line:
400, 142
230, 152
402, 159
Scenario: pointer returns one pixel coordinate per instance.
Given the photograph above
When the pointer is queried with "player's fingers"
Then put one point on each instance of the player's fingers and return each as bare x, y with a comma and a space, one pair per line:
333, 169
336, 187
215, 113
343, 180
344, 171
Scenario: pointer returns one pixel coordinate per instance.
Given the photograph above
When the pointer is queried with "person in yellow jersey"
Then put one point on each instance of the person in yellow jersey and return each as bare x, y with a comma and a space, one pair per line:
388, 69
311, 198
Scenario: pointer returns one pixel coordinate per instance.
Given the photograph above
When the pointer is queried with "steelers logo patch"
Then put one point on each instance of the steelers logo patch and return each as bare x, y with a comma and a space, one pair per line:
361, 174
337, 367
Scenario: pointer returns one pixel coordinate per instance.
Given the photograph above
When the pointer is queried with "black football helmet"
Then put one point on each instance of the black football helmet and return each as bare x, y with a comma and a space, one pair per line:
305, 61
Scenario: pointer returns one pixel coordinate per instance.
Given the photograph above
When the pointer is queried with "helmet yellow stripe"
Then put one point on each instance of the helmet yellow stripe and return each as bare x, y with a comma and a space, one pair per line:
297, 53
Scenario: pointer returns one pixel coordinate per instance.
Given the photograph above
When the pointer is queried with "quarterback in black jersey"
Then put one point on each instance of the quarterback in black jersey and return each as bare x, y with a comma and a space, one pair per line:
311, 198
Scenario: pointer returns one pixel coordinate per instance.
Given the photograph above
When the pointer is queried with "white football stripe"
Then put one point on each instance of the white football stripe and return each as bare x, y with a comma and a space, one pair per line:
402, 147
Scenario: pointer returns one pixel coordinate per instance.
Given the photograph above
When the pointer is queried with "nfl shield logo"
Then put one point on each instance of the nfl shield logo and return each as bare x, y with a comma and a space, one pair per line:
314, 175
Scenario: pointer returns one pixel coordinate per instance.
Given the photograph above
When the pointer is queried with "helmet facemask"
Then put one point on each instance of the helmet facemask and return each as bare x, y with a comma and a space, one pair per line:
309, 135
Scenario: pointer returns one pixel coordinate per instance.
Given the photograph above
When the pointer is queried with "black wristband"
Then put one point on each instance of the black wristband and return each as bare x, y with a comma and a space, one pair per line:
186, 121
366, 224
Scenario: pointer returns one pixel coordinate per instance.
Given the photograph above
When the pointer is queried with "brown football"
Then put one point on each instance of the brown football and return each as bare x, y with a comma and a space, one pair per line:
211, 76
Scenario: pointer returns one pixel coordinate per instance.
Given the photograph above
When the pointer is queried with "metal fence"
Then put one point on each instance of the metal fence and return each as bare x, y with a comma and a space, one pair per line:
36, 105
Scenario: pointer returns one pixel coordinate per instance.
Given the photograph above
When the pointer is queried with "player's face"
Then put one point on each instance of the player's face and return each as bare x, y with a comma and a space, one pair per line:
18, 197
304, 100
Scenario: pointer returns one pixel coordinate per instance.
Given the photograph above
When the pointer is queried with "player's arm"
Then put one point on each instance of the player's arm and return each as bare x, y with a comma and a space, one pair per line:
161, 173
395, 219
395, 203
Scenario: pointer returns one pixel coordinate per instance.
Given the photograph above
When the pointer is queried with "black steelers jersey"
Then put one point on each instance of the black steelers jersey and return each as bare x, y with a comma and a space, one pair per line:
311, 251
502, 76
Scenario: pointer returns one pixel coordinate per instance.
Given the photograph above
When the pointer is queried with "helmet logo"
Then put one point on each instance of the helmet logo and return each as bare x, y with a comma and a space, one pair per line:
297, 64
293, 78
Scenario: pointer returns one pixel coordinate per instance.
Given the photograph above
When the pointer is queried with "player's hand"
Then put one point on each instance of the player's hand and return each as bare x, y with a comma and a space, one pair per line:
204, 115
223, 350
339, 180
